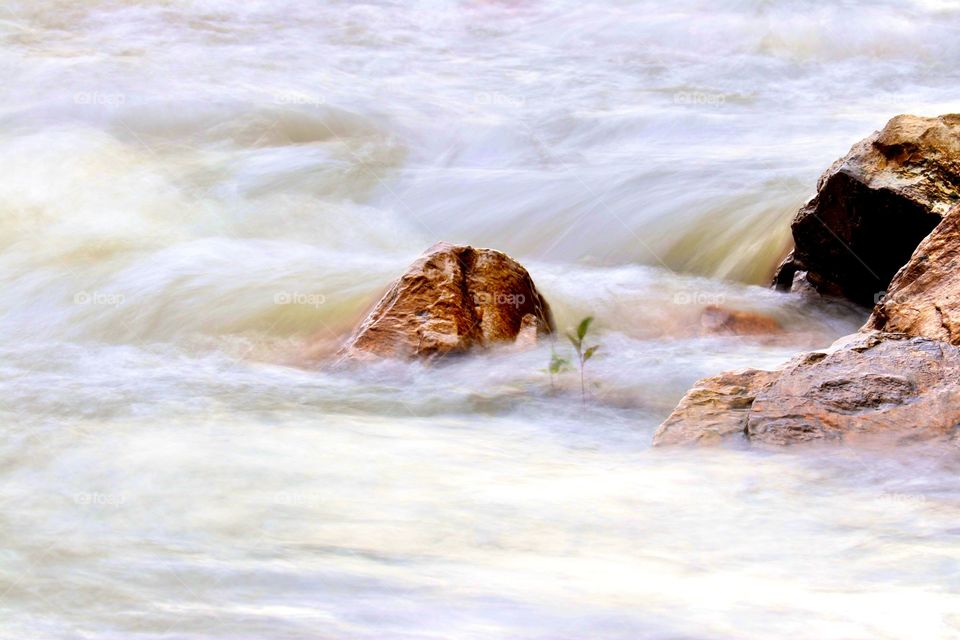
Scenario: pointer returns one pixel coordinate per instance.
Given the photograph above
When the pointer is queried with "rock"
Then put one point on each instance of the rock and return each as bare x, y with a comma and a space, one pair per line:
924, 297
871, 384
895, 194
716, 320
874, 206
715, 409
801, 285
451, 299
529, 333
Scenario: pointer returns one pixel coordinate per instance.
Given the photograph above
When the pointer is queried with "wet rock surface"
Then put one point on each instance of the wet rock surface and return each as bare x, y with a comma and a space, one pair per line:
716, 409
873, 207
885, 224
452, 299
869, 384
717, 320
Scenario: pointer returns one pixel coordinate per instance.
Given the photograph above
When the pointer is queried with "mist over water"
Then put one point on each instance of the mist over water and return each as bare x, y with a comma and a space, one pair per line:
198, 198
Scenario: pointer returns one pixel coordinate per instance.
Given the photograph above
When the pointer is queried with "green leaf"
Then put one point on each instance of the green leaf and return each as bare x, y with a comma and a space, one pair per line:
584, 327
557, 363
589, 352
574, 341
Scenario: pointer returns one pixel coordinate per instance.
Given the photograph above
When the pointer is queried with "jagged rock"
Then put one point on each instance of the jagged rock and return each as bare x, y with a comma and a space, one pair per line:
874, 206
451, 299
868, 384
716, 320
899, 378
924, 297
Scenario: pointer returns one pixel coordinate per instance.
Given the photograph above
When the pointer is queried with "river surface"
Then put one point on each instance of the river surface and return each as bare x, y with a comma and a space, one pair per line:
199, 199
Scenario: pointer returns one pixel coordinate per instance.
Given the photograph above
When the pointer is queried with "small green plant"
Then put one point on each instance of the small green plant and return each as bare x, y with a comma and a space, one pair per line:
558, 364
583, 354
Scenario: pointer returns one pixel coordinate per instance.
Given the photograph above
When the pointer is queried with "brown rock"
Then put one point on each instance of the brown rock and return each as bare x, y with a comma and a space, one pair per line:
924, 297
716, 320
899, 378
715, 409
869, 384
451, 299
874, 206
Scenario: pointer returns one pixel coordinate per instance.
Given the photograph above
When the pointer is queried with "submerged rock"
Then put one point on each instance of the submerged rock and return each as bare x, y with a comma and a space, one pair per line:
868, 384
716, 320
924, 297
873, 207
451, 299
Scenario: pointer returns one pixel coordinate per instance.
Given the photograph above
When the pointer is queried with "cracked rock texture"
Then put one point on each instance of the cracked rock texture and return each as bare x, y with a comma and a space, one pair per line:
450, 300
869, 384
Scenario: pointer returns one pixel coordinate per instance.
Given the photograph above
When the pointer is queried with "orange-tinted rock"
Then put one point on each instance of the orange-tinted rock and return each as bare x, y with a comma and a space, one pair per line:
716, 320
874, 206
452, 299
924, 297
715, 409
869, 384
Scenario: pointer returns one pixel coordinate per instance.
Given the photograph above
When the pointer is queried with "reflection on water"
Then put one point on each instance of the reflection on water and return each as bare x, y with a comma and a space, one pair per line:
193, 192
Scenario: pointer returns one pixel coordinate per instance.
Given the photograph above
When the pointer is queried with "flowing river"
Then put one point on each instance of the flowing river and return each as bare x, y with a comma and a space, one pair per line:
198, 200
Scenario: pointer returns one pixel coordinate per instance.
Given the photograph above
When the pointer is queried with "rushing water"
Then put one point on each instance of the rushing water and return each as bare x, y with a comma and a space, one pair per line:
197, 198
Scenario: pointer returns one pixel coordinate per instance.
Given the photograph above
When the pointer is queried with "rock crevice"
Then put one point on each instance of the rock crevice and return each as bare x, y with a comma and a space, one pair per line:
885, 220
452, 299
873, 207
